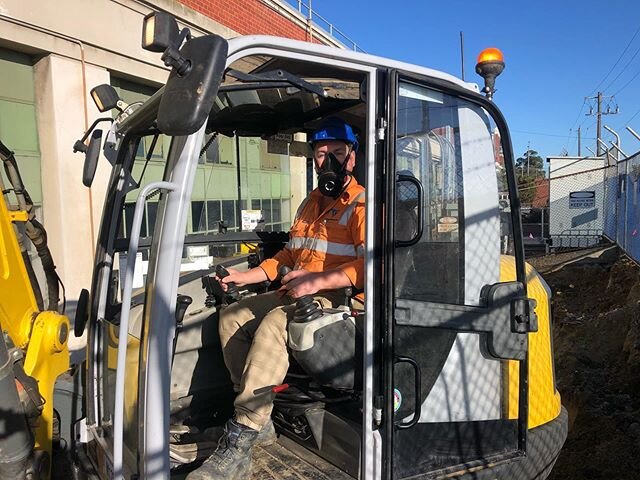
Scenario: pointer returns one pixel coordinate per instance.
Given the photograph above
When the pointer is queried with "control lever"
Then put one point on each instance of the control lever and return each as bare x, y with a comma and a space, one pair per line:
181, 308
182, 304
215, 294
306, 307
233, 294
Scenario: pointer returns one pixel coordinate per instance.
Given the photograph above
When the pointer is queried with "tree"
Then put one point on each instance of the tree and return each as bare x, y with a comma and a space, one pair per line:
530, 164
529, 169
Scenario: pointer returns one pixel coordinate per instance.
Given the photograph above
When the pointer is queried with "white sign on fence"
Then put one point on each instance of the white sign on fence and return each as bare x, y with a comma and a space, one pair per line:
582, 199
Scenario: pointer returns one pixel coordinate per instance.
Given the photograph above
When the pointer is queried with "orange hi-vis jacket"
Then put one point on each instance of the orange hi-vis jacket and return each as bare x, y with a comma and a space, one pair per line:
321, 241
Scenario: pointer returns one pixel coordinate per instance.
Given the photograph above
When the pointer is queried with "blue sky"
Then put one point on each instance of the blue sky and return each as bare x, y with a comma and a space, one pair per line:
556, 53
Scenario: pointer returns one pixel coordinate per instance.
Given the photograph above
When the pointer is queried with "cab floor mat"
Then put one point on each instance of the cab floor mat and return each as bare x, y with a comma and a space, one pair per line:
277, 462
274, 462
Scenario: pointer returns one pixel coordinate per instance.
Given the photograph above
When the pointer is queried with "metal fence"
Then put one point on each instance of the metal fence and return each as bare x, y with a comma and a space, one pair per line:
594, 198
535, 228
577, 199
621, 209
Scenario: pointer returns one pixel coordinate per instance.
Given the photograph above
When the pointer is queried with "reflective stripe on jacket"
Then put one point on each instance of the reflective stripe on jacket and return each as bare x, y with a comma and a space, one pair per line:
321, 241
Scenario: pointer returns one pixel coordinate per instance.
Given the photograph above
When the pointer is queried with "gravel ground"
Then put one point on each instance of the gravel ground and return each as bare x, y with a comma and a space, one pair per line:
596, 324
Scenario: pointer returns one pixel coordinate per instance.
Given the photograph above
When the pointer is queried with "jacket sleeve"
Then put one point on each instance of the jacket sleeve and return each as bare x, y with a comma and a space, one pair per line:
284, 256
271, 265
354, 269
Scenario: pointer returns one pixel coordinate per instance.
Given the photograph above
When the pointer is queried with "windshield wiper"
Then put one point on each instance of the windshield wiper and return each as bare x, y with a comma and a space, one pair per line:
277, 76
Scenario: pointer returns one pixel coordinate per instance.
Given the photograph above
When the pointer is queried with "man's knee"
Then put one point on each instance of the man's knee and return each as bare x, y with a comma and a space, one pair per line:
273, 326
232, 319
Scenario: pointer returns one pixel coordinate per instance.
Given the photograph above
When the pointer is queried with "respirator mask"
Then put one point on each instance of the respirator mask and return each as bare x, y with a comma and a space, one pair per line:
331, 175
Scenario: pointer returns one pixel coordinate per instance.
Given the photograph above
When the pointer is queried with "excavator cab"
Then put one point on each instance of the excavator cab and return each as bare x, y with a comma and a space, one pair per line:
446, 370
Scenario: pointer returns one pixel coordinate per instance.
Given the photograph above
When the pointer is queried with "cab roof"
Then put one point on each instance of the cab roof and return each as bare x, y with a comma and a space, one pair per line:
245, 42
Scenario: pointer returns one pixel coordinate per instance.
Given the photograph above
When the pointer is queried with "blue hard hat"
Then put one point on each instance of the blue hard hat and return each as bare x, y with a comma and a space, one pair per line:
334, 128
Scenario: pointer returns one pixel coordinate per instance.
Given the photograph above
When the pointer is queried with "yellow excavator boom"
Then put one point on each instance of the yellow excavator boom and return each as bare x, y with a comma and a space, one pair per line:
40, 335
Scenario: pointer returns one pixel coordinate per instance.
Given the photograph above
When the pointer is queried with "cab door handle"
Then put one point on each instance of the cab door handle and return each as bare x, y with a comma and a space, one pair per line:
417, 392
419, 198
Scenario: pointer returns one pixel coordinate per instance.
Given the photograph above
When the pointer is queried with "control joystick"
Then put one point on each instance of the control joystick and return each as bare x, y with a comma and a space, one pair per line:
232, 294
306, 308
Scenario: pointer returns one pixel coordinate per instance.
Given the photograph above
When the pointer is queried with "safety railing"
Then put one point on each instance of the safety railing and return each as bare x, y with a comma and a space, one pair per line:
323, 23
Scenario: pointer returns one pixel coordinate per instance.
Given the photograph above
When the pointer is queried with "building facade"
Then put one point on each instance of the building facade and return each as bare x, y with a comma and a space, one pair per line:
53, 53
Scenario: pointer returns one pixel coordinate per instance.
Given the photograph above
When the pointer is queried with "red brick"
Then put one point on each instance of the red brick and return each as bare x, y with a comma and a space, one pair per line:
249, 17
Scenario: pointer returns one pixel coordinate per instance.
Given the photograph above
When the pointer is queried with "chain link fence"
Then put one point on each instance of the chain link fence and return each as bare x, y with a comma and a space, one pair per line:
576, 202
622, 212
535, 228
591, 200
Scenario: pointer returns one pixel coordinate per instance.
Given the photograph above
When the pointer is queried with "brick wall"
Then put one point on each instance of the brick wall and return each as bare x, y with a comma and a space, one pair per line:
249, 17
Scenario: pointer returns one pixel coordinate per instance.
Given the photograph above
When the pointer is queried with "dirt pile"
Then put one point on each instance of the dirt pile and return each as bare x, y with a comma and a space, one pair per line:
596, 322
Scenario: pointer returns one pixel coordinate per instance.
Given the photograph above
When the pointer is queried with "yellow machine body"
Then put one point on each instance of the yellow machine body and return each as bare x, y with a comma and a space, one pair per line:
41, 335
544, 402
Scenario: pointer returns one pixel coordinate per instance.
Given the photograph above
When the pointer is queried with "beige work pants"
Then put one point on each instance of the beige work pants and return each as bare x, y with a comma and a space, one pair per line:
253, 333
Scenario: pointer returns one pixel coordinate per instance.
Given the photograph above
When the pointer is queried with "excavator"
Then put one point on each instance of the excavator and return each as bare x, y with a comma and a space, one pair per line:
446, 371
33, 350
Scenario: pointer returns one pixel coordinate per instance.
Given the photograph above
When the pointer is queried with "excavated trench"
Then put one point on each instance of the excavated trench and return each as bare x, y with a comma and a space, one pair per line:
596, 331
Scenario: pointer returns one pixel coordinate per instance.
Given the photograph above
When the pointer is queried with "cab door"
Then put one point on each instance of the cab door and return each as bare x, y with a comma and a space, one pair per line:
458, 317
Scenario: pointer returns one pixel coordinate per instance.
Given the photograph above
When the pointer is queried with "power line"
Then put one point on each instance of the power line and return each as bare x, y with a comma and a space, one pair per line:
632, 117
584, 102
546, 134
617, 61
627, 84
599, 114
622, 71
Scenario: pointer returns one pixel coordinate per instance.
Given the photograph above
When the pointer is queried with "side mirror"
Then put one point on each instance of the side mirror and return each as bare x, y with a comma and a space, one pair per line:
196, 72
188, 97
82, 313
91, 158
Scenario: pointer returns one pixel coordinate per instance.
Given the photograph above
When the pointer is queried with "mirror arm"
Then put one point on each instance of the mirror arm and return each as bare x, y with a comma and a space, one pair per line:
79, 146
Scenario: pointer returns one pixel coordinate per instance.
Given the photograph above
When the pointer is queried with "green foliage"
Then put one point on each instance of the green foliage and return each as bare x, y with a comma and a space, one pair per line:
529, 168
530, 164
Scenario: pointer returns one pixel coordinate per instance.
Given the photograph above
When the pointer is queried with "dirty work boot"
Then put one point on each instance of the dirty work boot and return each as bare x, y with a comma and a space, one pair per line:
267, 436
232, 458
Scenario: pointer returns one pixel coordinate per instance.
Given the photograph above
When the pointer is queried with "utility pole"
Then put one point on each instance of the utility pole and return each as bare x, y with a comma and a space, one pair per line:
599, 119
528, 150
579, 154
462, 53
598, 99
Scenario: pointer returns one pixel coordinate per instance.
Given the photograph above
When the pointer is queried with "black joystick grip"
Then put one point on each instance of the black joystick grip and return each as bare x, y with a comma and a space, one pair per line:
182, 304
283, 271
306, 308
233, 294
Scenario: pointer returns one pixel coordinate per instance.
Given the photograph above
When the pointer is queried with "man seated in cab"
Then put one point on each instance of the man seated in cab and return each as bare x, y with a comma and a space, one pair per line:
326, 253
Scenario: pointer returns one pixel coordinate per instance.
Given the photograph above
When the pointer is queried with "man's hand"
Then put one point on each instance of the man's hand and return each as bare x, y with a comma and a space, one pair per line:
298, 283
255, 275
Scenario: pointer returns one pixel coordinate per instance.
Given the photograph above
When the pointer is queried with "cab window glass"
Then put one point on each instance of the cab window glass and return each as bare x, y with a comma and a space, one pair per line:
459, 223
427, 150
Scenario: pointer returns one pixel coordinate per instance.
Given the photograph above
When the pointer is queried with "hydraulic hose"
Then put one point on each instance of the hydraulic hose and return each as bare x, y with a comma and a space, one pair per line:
35, 232
38, 236
16, 442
